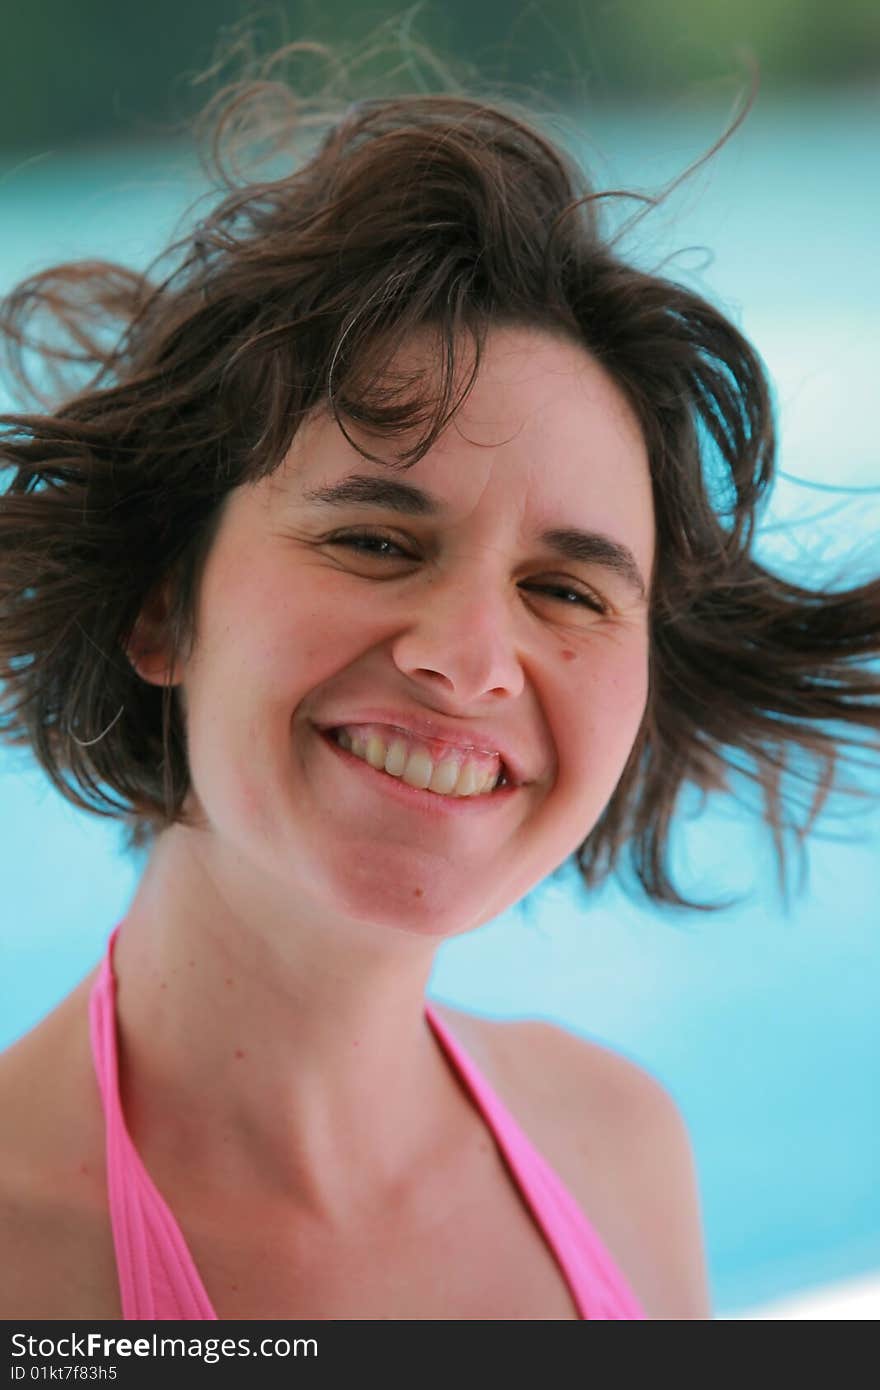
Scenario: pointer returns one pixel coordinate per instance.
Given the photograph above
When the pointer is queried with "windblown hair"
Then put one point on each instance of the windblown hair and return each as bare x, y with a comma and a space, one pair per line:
438, 211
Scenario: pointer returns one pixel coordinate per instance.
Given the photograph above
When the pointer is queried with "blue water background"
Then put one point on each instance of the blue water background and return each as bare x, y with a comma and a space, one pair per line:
763, 1020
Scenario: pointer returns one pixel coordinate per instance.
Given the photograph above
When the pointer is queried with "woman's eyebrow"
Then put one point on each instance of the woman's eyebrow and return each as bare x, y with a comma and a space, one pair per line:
585, 547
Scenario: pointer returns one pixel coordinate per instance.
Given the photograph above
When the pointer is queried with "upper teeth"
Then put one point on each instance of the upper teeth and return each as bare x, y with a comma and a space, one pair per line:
460, 772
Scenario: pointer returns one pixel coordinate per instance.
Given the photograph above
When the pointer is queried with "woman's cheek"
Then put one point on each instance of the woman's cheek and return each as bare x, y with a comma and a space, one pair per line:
623, 686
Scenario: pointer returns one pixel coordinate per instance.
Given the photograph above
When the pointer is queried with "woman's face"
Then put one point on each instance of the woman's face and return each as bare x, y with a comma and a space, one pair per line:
462, 615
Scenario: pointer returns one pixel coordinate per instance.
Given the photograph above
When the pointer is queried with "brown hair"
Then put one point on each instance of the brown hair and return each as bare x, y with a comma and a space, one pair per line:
442, 210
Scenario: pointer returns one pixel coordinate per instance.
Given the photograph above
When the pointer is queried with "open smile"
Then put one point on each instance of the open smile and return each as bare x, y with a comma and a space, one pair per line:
431, 803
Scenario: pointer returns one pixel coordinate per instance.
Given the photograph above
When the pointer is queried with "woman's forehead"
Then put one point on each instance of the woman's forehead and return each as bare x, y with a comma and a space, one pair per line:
542, 415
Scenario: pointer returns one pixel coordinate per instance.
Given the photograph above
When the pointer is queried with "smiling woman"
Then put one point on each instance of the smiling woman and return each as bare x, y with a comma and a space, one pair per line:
346, 715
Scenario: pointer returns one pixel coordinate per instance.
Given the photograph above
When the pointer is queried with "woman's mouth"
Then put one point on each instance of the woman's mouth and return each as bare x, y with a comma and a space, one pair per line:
387, 764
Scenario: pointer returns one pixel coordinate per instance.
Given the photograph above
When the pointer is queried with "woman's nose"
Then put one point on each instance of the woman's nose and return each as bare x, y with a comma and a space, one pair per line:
462, 633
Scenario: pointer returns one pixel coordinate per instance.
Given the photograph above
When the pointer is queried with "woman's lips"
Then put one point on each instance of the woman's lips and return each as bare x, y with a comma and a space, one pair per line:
431, 803
438, 735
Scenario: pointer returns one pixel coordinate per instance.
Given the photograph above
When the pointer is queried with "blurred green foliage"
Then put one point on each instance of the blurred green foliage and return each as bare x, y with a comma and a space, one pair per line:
81, 70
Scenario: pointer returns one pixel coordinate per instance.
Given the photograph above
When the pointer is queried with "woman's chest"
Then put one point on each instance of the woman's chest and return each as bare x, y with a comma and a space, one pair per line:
470, 1249
479, 1256
459, 1243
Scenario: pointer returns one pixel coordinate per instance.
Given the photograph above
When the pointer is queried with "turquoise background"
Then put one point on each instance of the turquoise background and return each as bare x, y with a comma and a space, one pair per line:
763, 1020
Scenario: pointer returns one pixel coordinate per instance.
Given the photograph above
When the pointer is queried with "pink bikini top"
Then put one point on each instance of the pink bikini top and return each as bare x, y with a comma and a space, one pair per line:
158, 1279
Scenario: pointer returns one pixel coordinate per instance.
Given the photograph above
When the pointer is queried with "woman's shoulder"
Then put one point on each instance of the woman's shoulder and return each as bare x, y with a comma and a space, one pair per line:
54, 1227
617, 1139
47, 1079
558, 1061
583, 1104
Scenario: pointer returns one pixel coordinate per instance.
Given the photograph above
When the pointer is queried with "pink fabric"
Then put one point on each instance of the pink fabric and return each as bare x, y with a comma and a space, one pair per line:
158, 1279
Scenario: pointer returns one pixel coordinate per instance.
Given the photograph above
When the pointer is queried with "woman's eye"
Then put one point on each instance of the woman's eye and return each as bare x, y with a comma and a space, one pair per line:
357, 540
557, 589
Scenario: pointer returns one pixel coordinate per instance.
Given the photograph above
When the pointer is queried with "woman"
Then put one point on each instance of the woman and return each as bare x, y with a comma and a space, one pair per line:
373, 575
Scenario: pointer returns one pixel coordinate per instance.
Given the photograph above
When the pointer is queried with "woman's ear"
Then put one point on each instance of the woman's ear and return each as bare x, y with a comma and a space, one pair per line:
148, 648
